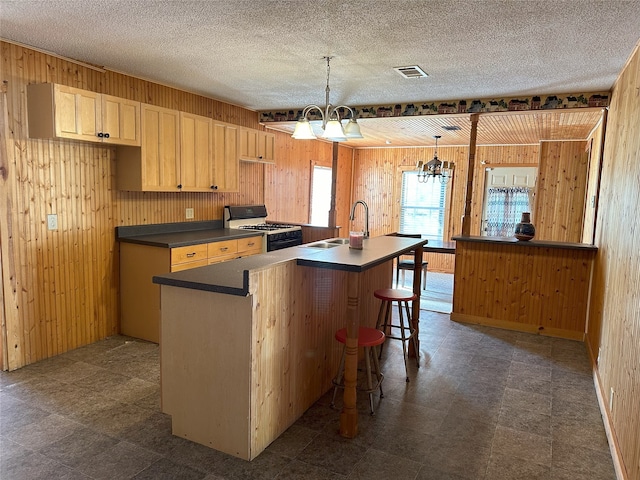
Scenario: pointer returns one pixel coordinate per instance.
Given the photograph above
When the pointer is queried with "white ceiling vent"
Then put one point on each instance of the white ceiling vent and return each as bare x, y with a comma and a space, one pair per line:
412, 71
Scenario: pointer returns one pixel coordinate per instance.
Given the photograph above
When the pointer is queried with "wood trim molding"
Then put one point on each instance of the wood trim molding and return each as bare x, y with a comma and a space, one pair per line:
612, 439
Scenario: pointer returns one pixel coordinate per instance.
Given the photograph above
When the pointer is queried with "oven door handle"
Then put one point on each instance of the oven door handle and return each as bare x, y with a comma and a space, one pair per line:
290, 242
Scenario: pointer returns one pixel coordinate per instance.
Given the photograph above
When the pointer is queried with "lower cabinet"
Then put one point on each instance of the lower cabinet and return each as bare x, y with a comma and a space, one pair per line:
140, 298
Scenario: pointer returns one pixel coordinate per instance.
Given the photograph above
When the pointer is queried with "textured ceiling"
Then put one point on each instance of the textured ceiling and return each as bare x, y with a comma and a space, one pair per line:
267, 54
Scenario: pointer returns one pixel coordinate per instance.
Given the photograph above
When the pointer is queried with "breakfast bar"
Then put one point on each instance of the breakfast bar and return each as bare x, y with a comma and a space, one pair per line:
248, 346
532, 286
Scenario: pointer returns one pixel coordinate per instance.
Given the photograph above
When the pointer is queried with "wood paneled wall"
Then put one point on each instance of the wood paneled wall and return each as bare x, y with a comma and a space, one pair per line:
288, 182
377, 180
60, 288
496, 156
560, 193
614, 331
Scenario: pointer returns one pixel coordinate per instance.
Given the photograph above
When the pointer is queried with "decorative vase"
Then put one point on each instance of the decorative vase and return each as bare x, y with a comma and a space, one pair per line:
525, 229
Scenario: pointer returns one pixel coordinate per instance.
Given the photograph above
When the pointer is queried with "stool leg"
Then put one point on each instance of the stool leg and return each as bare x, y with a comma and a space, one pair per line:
384, 325
376, 365
367, 363
412, 334
403, 339
338, 379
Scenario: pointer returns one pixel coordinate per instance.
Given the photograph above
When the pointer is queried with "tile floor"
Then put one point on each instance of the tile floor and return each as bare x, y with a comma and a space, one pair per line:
485, 404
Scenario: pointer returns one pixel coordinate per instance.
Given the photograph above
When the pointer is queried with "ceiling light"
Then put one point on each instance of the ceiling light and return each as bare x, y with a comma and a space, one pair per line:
434, 168
331, 122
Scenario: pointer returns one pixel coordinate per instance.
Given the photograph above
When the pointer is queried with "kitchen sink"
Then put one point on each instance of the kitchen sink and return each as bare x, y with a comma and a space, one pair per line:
339, 241
321, 245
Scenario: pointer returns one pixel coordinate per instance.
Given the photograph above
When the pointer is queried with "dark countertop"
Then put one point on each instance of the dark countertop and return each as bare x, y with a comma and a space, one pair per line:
438, 246
172, 235
232, 277
374, 252
529, 243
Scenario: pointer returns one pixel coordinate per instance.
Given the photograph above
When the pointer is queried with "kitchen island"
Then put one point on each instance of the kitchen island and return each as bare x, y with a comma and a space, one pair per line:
248, 346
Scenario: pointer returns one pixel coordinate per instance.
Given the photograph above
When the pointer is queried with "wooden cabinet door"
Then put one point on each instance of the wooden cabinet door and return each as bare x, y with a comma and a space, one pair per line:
248, 144
195, 153
120, 121
160, 149
77, 113
225, 157
266, 147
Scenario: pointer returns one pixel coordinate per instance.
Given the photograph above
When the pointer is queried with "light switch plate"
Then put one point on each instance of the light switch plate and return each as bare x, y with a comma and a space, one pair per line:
189, 213
52, 221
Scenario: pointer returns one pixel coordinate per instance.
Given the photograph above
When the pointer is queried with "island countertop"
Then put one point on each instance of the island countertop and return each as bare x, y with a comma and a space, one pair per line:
232, 277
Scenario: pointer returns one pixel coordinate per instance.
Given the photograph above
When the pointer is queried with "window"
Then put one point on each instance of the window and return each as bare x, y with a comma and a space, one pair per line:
320, 196
504, 210
422, 206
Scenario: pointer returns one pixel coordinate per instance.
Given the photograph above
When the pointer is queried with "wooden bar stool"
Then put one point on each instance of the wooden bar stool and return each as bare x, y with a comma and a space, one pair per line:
385, 321
369, 338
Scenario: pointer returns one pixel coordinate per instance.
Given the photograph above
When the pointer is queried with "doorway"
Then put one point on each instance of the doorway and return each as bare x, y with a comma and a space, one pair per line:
509, 191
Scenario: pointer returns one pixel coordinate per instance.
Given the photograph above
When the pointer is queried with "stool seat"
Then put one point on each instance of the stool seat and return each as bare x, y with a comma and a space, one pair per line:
394, 295
367, 337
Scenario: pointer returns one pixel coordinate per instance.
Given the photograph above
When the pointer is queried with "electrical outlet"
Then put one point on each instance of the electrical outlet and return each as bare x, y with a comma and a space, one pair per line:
52, 222
189, 213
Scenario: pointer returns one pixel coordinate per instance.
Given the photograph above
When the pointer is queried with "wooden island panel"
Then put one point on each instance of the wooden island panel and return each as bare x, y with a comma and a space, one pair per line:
537, 289
272, 353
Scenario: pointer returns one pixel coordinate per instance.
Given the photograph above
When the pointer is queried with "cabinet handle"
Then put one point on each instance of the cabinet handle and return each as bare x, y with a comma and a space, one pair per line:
180, 186
100, 134
189, 255
224, 249
260, 157
214, 187
106, 135
250, 244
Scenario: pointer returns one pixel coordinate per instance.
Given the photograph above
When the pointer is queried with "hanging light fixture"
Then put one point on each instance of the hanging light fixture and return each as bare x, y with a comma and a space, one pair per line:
331, 122
434, 168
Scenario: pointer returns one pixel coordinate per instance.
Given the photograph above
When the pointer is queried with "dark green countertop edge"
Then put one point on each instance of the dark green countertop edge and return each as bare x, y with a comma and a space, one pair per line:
206, 287
528, 243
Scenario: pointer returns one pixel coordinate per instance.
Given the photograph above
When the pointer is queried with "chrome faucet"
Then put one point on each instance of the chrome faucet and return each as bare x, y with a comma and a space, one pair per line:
366, 218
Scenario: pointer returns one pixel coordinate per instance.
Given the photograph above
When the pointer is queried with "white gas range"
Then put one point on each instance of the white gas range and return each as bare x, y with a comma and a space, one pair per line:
253, 217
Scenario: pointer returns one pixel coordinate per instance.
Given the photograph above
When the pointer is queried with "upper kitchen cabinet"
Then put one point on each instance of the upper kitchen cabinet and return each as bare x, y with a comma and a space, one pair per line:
225, 157
155, 165
196, 142
180, 152
256, 146
62, 112
120, 121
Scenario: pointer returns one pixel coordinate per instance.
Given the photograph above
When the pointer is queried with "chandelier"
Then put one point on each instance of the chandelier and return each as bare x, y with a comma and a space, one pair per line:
331, 122
434, 168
